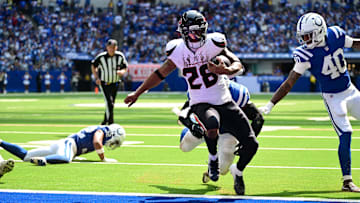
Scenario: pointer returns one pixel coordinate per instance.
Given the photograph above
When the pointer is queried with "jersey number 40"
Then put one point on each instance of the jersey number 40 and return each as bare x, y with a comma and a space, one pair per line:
334, 64
208, 78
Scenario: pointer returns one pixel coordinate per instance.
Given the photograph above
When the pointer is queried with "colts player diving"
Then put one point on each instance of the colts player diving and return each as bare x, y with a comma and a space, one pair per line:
89, 139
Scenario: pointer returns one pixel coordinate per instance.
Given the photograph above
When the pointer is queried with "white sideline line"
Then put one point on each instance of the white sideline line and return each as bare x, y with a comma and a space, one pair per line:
260, 148
172, 135
204, 165
177, 195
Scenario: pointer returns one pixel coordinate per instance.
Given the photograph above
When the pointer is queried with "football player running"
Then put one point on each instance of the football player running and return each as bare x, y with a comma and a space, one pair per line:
6, 166
89, 139
322, 53
210, 98
193, 134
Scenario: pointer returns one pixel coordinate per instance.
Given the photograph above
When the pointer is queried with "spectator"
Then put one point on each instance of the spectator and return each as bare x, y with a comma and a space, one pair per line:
47, 81
62, 79
26, 81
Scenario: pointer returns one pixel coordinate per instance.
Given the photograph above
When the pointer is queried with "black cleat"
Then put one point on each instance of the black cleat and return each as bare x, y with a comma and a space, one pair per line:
213, 170
239, 185
349, 186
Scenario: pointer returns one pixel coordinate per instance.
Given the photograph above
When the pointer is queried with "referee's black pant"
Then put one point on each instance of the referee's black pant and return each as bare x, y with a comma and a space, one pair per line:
109, 91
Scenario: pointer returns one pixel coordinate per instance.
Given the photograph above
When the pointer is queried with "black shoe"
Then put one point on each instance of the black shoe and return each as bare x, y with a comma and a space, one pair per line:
239, 185
103, 123
349, 186
213, 170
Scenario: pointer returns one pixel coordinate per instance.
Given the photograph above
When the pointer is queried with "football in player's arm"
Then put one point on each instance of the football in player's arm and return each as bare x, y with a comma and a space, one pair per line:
322, 53
89, 139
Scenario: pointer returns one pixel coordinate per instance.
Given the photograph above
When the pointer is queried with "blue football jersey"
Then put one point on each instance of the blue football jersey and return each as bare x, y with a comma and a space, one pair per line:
239, 93
328, 64
84, 138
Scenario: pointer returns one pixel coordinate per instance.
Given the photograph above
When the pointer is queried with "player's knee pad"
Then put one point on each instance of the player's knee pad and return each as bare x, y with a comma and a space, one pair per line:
250, 147
212, 133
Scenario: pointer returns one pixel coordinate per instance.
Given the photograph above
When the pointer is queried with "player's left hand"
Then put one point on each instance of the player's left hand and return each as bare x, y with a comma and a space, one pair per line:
217, 68
108, 160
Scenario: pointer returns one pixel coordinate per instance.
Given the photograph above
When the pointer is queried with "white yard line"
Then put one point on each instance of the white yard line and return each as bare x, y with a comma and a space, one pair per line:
204, 165
171, 135
138, 144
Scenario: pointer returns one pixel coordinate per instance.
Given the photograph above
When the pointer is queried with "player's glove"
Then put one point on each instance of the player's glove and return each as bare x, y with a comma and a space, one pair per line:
108, 160
267, 108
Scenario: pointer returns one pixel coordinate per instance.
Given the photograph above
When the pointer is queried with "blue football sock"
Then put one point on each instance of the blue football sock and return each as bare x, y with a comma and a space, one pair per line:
14, 149
57, 159
345, 153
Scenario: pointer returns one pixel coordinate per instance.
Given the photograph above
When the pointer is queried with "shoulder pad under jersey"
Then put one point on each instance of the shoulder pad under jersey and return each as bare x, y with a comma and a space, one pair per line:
171, 46
218, 39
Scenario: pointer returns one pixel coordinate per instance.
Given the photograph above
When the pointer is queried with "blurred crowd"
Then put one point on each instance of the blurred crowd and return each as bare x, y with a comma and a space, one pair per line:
35, 37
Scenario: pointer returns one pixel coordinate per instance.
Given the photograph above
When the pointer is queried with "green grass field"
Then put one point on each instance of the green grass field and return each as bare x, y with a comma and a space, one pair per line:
300, 161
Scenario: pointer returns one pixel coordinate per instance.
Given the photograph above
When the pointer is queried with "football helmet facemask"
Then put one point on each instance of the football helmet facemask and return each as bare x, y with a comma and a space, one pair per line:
193, 28
311, 30
117, 136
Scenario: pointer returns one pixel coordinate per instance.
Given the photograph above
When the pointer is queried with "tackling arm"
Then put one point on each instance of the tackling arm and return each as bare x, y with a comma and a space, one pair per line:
285, 87
281, 92
152, 81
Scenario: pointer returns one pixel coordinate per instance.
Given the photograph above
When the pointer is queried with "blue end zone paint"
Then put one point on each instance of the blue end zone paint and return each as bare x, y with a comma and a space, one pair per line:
58, 196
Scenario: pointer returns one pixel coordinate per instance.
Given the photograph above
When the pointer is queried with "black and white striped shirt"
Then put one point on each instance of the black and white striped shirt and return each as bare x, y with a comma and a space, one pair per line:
108, 65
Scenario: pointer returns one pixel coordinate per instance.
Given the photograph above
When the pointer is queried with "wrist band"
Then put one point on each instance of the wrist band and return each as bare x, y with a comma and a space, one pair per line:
100, 151
159, 74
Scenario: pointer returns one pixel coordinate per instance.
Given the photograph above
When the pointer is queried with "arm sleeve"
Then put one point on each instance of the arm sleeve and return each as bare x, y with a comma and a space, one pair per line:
301, 67
348, 42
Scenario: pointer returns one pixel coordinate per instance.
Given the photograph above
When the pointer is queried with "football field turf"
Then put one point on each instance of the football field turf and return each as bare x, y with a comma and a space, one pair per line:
297, 155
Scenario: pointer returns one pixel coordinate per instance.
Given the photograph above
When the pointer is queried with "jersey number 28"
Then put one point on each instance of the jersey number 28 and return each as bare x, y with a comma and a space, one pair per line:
208, 78
334, 64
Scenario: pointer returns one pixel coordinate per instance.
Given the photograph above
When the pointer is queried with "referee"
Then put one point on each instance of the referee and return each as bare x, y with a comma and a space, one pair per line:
108, 67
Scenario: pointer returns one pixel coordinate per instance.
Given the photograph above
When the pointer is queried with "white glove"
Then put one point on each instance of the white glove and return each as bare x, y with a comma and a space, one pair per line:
109, 160
267, 108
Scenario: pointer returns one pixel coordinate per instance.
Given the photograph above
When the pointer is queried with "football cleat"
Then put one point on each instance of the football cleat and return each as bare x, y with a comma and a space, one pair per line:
6, 166
349, 186
40, 161
239, 185
206, 177
194, 124
213, 170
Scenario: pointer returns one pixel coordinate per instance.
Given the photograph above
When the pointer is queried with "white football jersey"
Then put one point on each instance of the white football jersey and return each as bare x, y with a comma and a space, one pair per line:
203, 86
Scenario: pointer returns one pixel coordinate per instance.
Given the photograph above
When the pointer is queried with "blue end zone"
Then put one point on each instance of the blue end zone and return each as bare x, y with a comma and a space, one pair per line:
59, 196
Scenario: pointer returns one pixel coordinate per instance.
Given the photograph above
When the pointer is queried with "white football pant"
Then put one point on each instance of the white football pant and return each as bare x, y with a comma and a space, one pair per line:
339, 105
58, 147
226, 144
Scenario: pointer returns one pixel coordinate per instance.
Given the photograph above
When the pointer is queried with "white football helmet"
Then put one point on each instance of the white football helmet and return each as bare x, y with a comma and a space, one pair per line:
117, 136
311, 30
